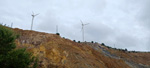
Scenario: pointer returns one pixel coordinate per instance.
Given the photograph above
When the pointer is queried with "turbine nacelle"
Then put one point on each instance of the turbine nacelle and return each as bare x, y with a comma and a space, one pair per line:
84, 24
33, 15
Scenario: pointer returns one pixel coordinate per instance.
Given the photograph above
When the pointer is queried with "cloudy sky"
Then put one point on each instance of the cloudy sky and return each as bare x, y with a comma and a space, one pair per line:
123, 23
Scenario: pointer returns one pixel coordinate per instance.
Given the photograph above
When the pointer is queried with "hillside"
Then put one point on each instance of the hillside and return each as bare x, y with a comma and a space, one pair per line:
56, 52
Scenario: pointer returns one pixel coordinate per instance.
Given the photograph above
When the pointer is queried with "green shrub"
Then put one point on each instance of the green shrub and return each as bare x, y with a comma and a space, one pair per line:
11, 57
74, 40
7, 40
103, 44
18, 58
126, 49
57, 34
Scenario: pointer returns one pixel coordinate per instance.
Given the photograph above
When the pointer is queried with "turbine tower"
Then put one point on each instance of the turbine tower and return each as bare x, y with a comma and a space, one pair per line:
83, 29
56, 28
12, 25
33, 15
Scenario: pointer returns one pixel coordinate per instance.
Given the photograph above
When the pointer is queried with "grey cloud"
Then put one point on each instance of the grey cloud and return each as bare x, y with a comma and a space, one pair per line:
99, 31
125, 40
143, 15
121, 22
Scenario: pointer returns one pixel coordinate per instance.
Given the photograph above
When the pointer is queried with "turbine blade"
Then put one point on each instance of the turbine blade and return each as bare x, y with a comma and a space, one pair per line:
32, 13
86, 23
36, 14
81, 21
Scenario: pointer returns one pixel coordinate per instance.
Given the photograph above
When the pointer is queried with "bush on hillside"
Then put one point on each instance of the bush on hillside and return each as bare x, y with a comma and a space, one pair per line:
108, 47
11, 57
18, 58
74, 40
103, 44
126, 49
57, 34
7, 40
64, 38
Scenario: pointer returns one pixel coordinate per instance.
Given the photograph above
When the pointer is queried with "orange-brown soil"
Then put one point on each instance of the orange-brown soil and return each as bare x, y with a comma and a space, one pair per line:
56, 52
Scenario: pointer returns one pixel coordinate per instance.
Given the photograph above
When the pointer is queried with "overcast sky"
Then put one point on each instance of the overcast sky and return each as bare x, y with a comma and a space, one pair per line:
123, 23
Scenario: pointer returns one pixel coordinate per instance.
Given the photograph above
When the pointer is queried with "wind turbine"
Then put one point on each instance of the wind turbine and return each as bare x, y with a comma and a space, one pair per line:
83, 29
33, 15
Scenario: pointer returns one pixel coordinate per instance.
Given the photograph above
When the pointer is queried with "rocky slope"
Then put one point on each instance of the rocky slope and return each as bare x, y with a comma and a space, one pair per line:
132, 58
56, 52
